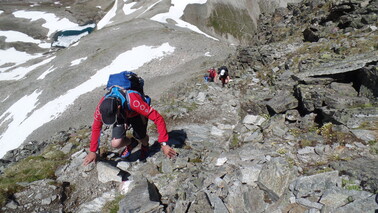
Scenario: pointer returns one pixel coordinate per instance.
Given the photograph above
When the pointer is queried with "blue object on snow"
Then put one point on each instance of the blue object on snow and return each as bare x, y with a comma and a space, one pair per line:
67, 37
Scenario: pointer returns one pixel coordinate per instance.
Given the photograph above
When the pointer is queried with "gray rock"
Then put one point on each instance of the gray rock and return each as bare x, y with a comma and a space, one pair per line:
107, 173
308, 121
365, 135
201, 98
311, 34
243, 198
362, 168
201, 204
276, 175
254, 120
309, 204
282, 102
292, 115
351, 117
216, 131
250, 173
167, 166
341, 102
12, 205
255, 136
306, 150
142, 198
96, 204
344, 89
311, 96
67, 148
315, 185
354, 62
363, 205
124, 165
217, 204
336, 197
251, 153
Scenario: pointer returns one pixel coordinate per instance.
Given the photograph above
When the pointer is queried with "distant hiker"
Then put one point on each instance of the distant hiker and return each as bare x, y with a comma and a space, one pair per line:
212, 76
123, 106
223, 75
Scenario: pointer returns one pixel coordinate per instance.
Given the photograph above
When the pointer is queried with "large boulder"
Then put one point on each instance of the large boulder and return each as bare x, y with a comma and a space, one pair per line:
282, 101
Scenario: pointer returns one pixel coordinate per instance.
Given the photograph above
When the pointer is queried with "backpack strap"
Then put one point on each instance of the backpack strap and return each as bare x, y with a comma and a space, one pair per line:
116, 92
146, 98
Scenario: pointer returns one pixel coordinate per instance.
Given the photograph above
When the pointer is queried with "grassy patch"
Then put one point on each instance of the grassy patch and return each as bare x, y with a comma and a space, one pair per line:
28, 170
112, 206
226, 20
350, 185
374, 149
282, 151
337, 157
291, 162
305, 143
295, 132
195, 160
330, 136
324, 170
234, 142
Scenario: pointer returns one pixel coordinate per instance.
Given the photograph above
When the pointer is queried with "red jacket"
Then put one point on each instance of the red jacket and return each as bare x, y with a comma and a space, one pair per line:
138, 106
212, 73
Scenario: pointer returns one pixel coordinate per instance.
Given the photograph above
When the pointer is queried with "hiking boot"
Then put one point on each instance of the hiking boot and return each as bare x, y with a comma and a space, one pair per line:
144, 152
127, 151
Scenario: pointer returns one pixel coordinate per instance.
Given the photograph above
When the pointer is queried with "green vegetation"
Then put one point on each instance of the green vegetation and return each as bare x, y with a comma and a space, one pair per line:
266, 116
226, 20
187, 147
234, 142
282, 151
39, 167
350, 199
350, 185
324, 170
295, 132
326, 130
330, 136
323, 52
28, 170
364, 125
354, 187
337, 157
195, 160
373, 147
291, 162
305, 143
367, 105
112, 206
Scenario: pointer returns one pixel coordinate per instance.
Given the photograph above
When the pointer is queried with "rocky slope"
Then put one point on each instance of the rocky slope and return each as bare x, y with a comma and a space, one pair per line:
294, 131
51, 72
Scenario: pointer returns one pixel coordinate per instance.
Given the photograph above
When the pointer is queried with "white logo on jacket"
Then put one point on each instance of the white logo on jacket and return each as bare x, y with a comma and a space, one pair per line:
136, 103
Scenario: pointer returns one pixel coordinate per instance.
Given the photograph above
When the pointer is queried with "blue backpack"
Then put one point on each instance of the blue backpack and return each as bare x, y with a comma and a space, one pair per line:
129, 81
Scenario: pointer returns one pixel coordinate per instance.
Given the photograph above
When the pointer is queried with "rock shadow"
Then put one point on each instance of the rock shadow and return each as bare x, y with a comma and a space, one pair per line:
177, 139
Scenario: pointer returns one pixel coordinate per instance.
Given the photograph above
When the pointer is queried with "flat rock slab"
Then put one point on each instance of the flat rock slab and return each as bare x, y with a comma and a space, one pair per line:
351, 63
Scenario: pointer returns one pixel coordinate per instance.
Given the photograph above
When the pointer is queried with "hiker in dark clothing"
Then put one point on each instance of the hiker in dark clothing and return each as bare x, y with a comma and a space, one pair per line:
223, 75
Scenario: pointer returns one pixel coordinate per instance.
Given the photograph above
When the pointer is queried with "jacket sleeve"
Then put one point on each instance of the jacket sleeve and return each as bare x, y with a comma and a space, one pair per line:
137, 104
96, 129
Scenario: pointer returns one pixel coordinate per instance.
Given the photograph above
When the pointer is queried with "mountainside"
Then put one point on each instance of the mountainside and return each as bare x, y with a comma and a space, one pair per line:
60, 86
294, 131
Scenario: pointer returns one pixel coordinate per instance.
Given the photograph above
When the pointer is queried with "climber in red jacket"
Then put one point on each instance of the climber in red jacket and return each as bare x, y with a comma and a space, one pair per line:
110, 111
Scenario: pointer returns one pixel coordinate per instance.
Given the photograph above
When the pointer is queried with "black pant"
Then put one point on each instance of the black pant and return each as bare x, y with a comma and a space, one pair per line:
138, 123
